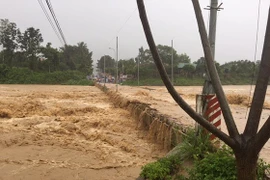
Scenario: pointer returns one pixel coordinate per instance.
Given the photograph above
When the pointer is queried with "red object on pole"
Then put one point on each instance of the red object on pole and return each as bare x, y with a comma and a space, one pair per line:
212, 112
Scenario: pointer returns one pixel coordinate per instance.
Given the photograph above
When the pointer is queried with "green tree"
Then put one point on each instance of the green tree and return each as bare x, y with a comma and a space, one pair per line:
242, 68
110, 65
8, 39
147, 66
200, 66
30, 42
183, 58
127, 66
84, 59
130, 66
50, 58
165, 53
67, 57
144, 56
189, 70
77, 57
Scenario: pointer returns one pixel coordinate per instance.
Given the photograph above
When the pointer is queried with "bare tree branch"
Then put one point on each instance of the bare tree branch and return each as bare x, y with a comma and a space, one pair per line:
233, 131
263, 136
197, 117
261, 87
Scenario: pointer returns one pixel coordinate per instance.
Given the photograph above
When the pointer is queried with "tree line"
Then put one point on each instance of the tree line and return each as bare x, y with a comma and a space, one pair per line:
234, 72
23, 49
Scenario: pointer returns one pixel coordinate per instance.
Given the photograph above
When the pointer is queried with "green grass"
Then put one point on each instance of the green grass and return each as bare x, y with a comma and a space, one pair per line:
16, 75
158, 82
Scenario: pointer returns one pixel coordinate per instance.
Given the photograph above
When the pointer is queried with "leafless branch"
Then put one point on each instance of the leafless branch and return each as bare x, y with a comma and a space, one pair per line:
197, 117
261, 88
233, 131
263, 136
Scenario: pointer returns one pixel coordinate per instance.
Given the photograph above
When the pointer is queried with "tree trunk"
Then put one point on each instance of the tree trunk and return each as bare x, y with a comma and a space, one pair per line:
246, 165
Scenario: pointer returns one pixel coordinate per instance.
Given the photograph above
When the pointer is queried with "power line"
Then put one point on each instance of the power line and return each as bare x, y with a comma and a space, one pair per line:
120, 29
49, 19
56, 21
255, 48
126, 21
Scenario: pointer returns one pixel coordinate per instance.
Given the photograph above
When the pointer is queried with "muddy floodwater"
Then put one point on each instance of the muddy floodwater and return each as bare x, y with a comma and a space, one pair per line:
68, 132
238, 96
75, 132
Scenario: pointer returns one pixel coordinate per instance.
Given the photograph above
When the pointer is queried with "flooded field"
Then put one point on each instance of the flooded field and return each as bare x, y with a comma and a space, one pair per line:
75, 132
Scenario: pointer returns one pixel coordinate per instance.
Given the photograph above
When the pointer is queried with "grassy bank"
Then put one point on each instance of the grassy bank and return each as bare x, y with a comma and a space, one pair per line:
16, 75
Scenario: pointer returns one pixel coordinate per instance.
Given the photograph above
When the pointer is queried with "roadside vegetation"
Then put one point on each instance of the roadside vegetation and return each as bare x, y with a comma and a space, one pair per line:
185, 72
24, 60
16, 75
197, 158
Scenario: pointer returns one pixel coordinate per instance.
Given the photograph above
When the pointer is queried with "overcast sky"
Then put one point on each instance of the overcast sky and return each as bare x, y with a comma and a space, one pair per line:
98, 22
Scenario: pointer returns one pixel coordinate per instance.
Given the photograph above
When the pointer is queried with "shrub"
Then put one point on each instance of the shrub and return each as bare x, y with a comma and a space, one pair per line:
195, 145
209, 162
163, 169
17, 75
220, 165
263, 169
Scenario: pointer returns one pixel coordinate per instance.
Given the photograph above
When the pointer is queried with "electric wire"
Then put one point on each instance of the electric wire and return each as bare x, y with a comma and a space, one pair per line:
120, 29
126, 21
56, 21
49, 19
255, 50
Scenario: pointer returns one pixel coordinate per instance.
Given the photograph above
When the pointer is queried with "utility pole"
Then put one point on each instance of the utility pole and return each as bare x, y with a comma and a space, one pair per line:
104, 69
172, 61
117, 56
213, 25
207, 104
214, 8
115, 65
138, 73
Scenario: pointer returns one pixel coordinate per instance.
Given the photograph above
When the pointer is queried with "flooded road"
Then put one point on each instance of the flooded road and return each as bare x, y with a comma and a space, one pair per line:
68, 132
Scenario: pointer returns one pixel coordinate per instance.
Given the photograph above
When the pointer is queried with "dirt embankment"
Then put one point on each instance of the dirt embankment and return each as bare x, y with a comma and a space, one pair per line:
68, 132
